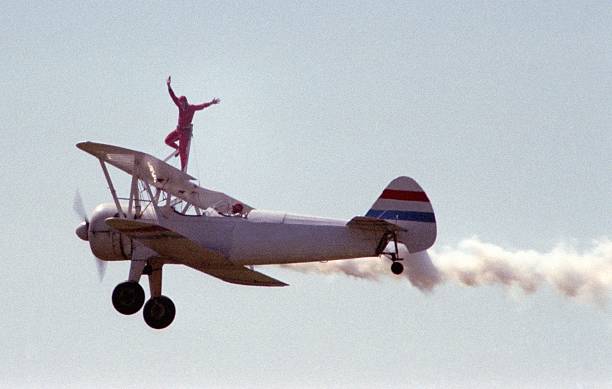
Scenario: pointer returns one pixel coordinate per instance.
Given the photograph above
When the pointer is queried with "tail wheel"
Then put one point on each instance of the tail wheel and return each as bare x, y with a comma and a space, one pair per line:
128, 297
397, 268
159, 312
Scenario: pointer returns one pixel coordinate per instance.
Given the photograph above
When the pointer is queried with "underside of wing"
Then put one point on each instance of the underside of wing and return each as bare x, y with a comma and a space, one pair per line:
174, 246
240, 275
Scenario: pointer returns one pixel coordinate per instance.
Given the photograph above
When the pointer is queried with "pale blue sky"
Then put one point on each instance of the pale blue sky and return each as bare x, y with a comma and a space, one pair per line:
501, 110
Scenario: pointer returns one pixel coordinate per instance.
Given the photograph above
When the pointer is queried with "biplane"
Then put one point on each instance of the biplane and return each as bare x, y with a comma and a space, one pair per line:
169, 219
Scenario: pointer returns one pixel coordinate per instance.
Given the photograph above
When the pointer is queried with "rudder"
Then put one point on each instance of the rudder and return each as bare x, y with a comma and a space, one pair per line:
404, 203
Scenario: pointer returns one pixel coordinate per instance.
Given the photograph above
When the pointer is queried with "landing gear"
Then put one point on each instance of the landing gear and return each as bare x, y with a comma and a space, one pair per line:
128, 297
397, 268
159, 312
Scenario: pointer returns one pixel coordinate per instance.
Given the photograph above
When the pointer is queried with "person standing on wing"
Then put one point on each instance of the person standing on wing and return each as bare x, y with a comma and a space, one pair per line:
182, 132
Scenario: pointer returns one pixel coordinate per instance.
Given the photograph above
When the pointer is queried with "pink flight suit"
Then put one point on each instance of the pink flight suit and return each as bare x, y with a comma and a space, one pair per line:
182, 132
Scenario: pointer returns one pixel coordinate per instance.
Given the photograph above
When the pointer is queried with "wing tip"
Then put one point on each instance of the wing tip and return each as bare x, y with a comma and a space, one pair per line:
82, 145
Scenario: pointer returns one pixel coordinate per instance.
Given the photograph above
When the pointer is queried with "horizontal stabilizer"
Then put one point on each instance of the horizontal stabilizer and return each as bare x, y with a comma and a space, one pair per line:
176, 247
373, 224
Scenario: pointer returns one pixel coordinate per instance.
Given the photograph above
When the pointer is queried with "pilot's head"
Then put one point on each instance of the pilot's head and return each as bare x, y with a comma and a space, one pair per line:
237, 208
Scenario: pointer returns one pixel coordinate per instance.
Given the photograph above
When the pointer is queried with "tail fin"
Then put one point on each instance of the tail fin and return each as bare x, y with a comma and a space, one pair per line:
404, 203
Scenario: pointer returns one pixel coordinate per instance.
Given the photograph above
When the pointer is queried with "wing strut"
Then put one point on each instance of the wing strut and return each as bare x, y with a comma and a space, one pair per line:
176, 185
112, 188
134, 207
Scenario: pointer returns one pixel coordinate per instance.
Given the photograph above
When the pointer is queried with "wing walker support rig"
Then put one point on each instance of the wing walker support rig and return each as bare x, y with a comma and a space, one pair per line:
135, 200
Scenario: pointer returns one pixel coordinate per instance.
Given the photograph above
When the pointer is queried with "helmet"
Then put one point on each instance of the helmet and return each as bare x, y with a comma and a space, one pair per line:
237, 208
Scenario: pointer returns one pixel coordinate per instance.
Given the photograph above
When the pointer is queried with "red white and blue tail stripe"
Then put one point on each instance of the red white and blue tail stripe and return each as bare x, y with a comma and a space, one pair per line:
404, 203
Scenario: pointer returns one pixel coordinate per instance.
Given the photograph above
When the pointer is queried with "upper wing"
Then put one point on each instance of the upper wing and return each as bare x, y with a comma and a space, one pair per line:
161, 175
173, 245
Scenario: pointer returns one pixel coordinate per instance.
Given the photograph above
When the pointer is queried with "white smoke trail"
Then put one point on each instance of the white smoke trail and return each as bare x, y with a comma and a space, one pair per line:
585, 275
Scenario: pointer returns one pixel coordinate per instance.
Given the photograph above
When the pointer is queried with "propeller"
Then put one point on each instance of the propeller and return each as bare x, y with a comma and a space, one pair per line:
82, 231
101, 266
79, 208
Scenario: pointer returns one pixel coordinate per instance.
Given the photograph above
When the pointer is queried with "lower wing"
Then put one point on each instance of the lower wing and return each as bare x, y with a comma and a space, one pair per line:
175, 246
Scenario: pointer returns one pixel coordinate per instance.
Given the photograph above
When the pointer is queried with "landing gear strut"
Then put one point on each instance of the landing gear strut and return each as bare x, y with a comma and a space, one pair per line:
129, 297
159, 311
396, 267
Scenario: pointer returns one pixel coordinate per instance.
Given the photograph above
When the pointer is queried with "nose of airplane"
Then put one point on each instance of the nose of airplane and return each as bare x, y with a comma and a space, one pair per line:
81, 231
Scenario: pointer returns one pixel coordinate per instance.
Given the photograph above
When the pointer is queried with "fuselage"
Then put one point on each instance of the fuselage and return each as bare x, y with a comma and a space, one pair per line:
262, 237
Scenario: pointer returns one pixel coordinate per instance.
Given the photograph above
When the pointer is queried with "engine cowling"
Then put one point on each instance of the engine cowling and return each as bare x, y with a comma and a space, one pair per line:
105, 243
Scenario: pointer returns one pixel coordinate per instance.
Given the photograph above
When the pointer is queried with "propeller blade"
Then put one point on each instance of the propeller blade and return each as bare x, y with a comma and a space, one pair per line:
79, 208
101, 265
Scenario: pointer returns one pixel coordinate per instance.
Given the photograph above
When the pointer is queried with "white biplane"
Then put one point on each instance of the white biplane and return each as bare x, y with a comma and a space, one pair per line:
168, 219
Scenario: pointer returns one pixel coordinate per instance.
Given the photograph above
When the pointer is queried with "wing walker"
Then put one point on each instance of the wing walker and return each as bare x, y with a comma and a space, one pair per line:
167, 219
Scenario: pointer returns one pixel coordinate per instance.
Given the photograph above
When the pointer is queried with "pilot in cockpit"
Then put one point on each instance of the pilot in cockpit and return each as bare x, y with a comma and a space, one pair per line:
237, 210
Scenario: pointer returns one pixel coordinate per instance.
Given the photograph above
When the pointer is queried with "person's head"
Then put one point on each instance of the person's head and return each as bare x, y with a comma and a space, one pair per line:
237, 208
183, 102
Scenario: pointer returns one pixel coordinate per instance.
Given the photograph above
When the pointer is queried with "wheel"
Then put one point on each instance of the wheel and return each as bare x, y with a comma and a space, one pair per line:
397, 268
159, 312
128, 297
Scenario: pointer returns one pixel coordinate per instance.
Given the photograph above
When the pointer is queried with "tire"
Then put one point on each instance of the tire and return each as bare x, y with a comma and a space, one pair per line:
128, 297
159, 312
397, 268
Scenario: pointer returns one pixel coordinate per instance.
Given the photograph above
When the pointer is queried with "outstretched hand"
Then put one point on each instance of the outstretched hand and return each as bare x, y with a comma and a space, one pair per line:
216, 101
168, 81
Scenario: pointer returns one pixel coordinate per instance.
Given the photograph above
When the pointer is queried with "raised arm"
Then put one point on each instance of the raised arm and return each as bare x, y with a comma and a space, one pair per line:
207, 104
171, 92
